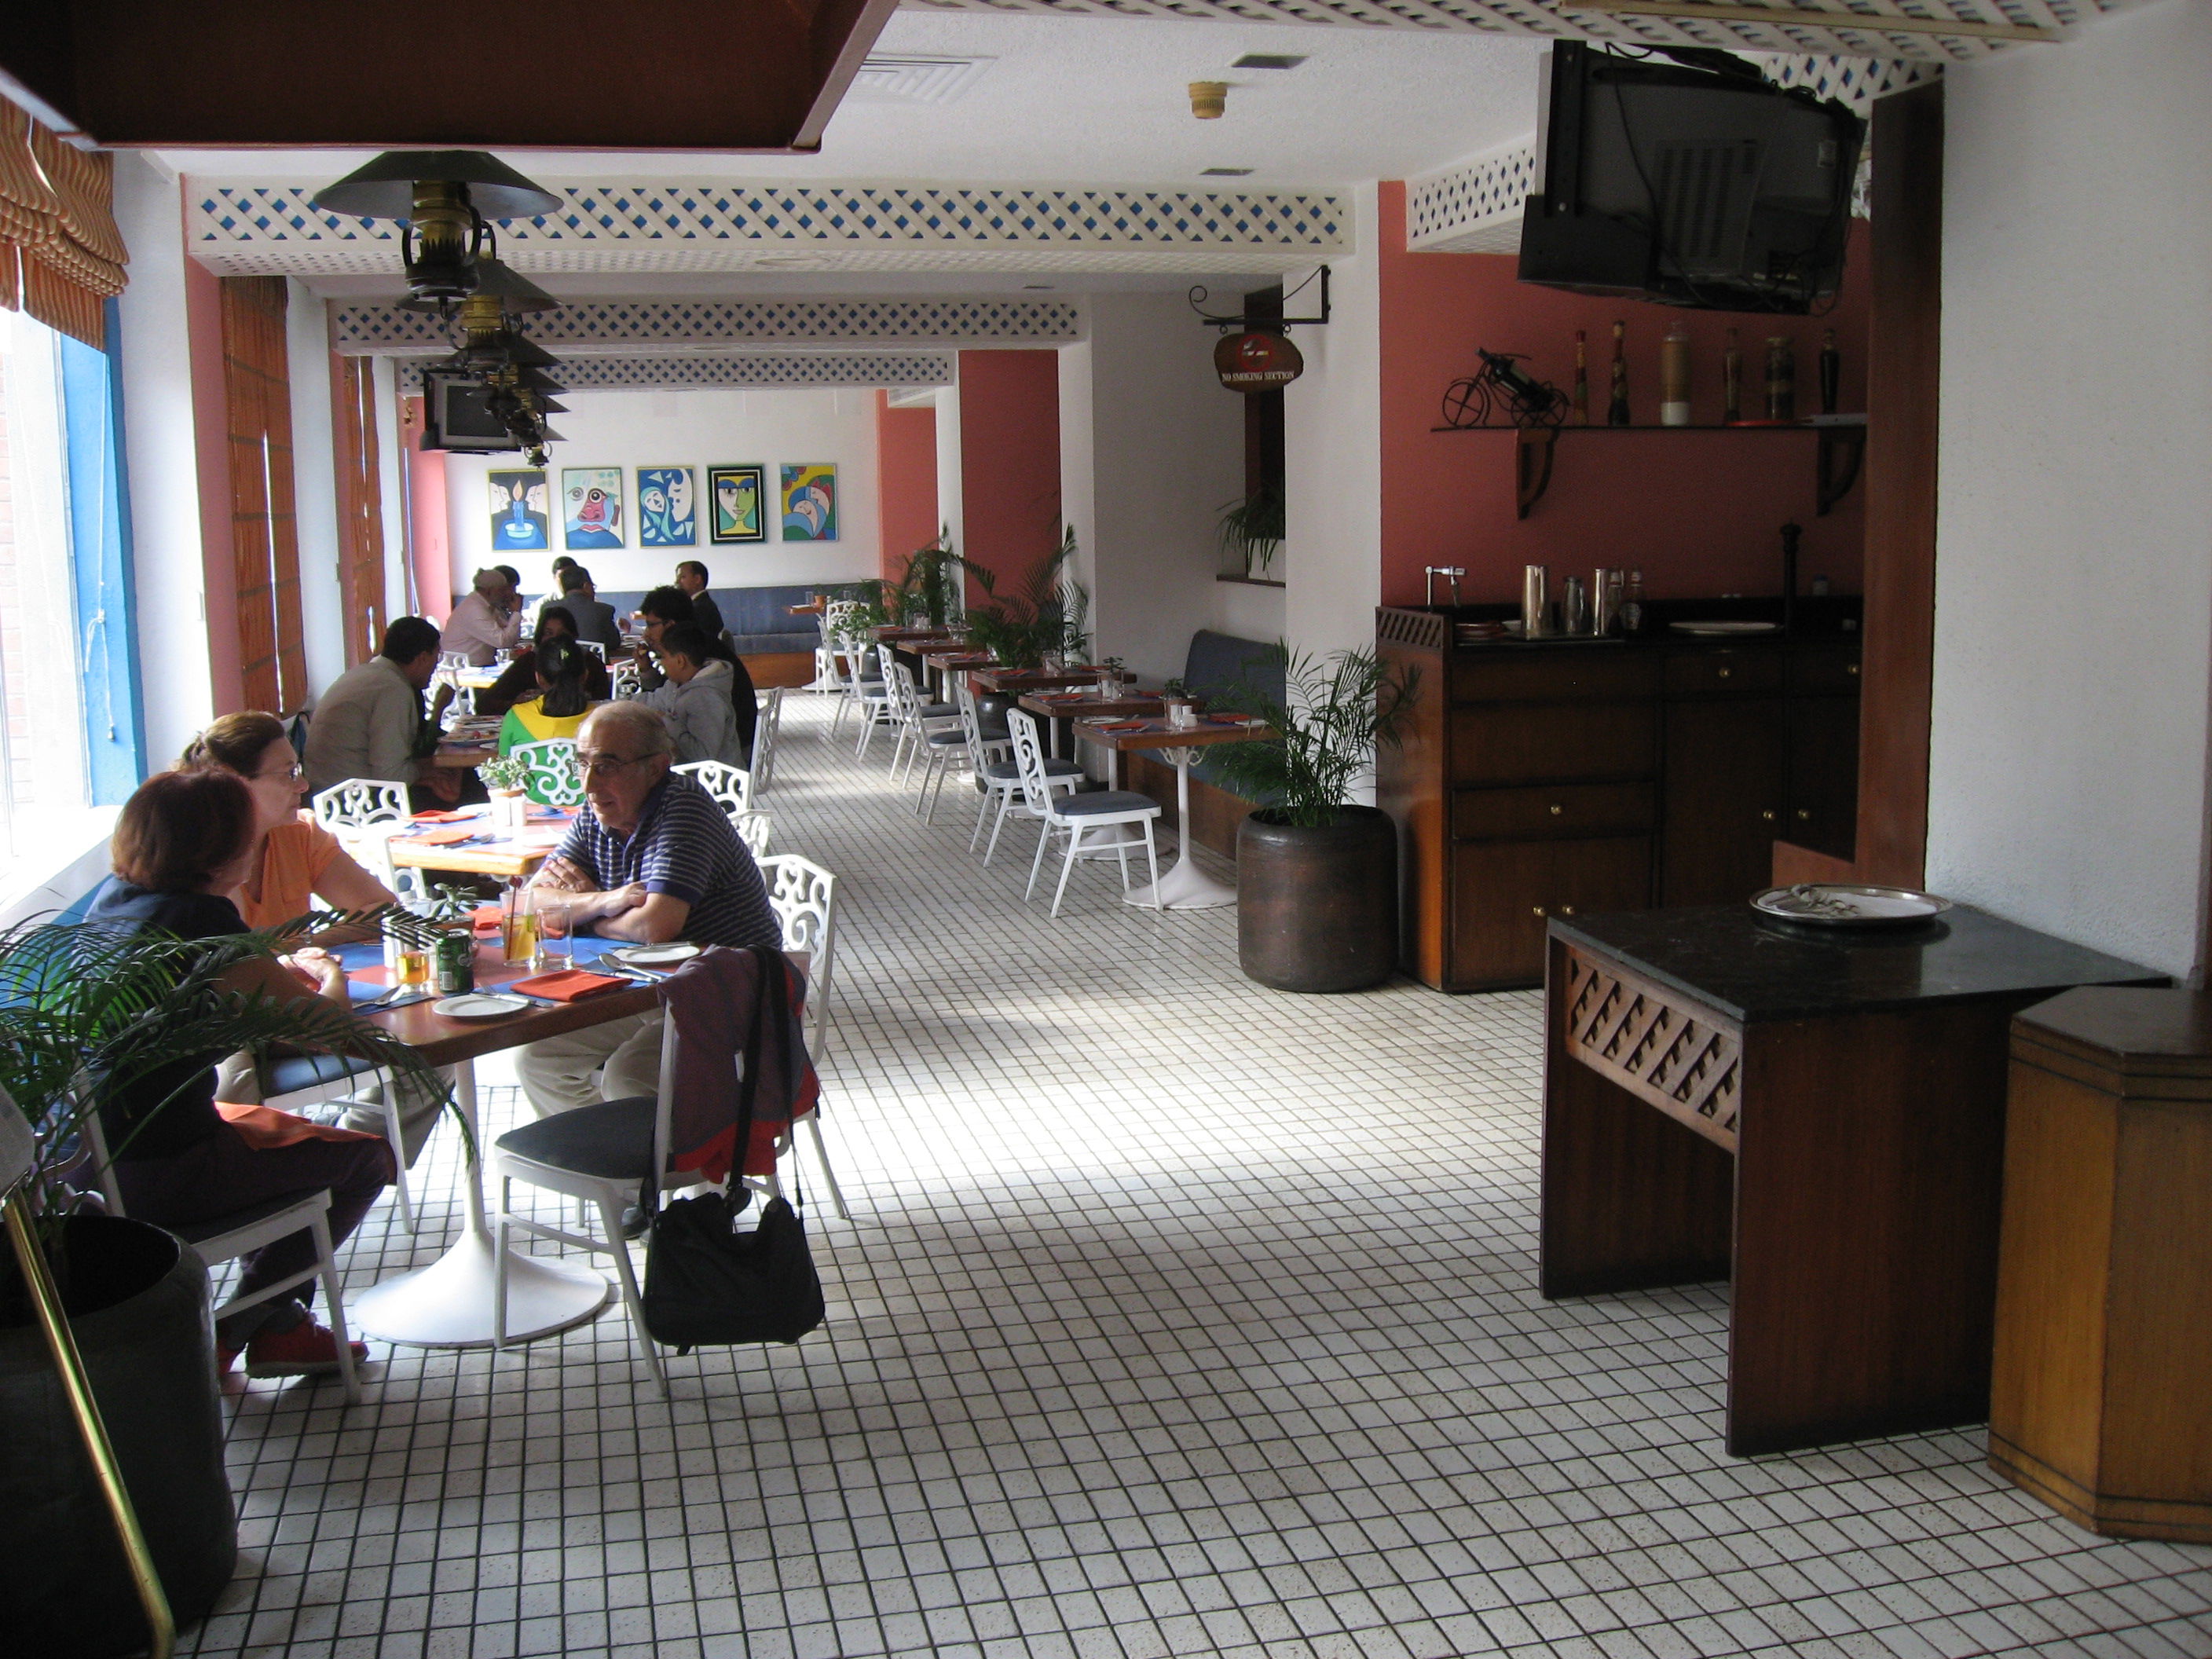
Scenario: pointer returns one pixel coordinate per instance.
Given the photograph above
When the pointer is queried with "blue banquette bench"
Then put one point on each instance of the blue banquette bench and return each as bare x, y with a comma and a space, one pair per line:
1213, 660
759, 618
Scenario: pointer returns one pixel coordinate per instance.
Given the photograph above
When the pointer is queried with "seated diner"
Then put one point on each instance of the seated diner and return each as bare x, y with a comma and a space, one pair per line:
519, 679
695, 701
558, 705
666, 607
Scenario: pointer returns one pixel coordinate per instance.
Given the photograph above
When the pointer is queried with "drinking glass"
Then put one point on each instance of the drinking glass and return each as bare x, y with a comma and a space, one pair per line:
553, 932
519, 942
413, 966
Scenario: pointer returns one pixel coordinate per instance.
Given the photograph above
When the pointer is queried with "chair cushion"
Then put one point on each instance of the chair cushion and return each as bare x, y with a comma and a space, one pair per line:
1007, 771
296, 1072
947, 739
612, 1140
1104, 801
938, 711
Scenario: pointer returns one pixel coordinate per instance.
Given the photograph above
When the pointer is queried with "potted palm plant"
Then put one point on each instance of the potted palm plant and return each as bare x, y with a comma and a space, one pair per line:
1045, 618
80, 1003
1317, 876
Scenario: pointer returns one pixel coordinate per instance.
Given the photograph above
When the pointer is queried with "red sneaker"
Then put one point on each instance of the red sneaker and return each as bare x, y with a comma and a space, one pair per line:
306, 1349
224, 1359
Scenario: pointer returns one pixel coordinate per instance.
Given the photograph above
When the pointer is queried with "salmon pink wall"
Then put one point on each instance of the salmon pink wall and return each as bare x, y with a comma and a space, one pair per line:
1698, 513
211, 446
906, 482
429, 536
1009, 459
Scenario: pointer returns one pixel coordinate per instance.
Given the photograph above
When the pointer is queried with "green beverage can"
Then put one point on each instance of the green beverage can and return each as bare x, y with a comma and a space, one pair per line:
455, 963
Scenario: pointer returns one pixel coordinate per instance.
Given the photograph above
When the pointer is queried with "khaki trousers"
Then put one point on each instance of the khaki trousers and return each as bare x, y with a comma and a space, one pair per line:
557, 1072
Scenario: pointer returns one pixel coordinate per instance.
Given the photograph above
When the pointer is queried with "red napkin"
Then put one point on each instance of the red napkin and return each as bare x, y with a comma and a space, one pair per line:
568, 985
485, 918
442, 837
1126, 726
445, 818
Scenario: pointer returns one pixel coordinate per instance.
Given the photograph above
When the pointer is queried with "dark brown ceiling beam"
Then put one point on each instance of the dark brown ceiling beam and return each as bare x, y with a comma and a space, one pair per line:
710, 76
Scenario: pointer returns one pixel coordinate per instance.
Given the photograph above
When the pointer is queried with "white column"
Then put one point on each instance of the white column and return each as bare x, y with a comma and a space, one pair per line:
948, 466
314, 488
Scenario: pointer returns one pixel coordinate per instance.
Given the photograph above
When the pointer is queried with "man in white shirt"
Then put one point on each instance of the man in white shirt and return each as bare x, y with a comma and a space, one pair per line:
488, 619
370, 723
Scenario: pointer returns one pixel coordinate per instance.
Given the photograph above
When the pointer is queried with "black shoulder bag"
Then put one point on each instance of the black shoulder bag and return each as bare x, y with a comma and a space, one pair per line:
706, 1283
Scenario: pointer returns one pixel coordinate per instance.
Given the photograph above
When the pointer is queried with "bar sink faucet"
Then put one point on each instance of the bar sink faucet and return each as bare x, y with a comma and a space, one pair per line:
1451, 572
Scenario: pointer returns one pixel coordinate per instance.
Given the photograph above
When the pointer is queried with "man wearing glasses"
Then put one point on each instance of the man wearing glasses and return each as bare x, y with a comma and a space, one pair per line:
651, 858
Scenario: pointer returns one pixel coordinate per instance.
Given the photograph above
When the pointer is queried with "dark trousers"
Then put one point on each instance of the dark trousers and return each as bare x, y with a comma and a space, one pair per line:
223, 1174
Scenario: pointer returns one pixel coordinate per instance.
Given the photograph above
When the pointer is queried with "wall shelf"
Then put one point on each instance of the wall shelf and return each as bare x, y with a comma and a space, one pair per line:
1251, 581
1841, 450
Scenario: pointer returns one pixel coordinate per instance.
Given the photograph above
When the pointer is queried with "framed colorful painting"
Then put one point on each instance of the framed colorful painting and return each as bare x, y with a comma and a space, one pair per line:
590, 508
666, 513
810, 502
518, 524
734, 505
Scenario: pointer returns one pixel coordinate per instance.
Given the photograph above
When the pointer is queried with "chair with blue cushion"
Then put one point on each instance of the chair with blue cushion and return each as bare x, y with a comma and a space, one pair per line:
1078, 814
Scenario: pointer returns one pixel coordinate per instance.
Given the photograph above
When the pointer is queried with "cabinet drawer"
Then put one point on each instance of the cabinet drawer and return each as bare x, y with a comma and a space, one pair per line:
1504, 893
1569, 808
1719, 671
1567, 741
1563, 671
1825, 669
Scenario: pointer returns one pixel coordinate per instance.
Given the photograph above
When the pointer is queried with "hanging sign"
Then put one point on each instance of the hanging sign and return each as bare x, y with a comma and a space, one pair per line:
1256, 362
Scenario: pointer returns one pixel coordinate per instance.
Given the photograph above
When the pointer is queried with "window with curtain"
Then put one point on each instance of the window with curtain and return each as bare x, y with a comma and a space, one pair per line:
61, 256
264, 526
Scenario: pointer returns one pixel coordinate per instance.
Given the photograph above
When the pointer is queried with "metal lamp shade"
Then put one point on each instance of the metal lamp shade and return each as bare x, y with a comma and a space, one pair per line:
385, 189
515, 292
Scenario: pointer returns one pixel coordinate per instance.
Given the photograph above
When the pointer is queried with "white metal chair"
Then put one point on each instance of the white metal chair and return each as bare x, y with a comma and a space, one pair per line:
753, 829
804, 898
597, 648
1078, 814
298, 1080
623, 680
928, 732
768, 729
1001, 779
732, 787
227, 1237
365, 814
870, 696
552, 775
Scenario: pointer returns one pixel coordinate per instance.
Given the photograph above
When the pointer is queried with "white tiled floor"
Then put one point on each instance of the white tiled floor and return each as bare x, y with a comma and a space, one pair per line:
1178, 1317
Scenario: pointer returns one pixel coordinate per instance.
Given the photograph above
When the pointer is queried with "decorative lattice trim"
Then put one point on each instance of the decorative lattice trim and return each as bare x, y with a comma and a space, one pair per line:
1660, 1047
755, 370
619, 327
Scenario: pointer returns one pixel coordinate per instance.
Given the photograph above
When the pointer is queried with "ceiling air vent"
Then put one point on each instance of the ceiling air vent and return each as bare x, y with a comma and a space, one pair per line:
1268, 60
914, 79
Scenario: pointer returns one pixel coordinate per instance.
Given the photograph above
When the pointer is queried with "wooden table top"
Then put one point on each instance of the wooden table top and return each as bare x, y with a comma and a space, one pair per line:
910, 637
501, 853
1078, 706
1033, 679
961, 658
1158, 734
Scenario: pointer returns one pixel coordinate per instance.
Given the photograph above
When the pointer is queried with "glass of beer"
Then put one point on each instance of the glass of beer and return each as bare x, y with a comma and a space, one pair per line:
519, 936
412, 965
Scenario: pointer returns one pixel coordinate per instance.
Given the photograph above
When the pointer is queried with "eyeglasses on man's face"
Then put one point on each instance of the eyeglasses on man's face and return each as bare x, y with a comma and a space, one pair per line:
607, 764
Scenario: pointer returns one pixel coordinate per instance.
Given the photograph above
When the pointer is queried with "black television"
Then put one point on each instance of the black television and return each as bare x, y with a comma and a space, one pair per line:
1693, 182
454, 415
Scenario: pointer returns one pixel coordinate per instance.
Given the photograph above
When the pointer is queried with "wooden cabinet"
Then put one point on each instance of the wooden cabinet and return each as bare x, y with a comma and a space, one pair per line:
1582, 778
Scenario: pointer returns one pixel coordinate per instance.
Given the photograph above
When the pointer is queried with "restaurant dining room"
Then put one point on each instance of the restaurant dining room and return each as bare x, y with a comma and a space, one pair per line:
1106, 830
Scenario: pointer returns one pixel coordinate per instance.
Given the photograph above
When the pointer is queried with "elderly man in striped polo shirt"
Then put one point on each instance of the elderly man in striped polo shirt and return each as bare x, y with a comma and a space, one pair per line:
651, 858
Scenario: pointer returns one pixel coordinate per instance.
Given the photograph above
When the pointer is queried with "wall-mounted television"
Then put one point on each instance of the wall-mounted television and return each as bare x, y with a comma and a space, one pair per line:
454, 415
1694, 183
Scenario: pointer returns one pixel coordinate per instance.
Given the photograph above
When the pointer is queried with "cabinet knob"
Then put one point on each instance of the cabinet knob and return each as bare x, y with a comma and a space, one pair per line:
1539, 910
1557, 810
1768, 815
1804, 814
1725, 672
1850, 668
1566, 909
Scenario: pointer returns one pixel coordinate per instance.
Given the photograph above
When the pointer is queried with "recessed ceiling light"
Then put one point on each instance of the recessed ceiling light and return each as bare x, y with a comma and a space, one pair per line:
1268, 60
1036, 288
1226, 172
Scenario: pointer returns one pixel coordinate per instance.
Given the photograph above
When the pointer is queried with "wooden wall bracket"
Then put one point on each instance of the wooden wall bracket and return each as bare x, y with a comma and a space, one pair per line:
1533, 448
1843, 449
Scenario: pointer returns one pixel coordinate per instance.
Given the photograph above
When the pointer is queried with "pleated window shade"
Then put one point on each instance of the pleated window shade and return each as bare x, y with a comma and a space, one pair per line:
61, 256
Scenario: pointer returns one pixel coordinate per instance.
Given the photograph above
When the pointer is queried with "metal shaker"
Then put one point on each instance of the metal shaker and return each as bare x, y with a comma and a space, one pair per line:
1535, 601
1574, 607
1605, 600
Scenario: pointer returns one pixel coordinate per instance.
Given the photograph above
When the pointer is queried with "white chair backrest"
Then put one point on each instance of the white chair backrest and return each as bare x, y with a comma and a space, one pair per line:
803, 896
732, 787
622, 679
359, 802
839, 616
971, 727
454, 660
553, 776
597, 648
753, 829
853, 663
906, 705
1028, 760
766, 729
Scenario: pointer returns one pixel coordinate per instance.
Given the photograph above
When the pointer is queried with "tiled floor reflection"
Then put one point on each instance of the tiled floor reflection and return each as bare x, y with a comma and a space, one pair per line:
1176, 1317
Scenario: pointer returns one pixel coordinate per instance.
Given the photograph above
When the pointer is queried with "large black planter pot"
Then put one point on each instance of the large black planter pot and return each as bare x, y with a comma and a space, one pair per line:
139, 1304
1317, 909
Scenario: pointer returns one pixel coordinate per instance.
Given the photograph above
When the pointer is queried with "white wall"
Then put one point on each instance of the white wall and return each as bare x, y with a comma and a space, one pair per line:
314, 486
1166, 451
1333, 457
164, 463
948, 485
699, 430
2073, 573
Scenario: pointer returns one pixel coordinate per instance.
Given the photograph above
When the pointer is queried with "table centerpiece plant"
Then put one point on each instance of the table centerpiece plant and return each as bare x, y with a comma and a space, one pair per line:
83, 1010
1316, 874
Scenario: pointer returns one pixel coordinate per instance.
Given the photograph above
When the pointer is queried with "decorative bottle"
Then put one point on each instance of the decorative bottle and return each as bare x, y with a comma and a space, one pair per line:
1582, 377
1632, 605
1781, 378
1616, 413
1675, 377
1832, 371
1731, 383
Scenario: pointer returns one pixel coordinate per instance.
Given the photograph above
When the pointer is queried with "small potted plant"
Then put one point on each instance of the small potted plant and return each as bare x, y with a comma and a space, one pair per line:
504, 779
1317, 876
1181, 707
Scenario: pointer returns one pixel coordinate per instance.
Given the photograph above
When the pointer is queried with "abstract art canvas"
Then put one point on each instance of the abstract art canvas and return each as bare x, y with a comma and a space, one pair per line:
810, 502
518, 524
735, 506
590, 508
667, 516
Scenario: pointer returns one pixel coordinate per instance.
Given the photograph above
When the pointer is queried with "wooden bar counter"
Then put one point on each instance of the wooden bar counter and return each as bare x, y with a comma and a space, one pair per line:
2102, 1402
1817, 1114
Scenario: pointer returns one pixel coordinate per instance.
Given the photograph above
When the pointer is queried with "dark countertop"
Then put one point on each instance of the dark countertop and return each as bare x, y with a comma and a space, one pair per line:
1753, 969
2130, 1025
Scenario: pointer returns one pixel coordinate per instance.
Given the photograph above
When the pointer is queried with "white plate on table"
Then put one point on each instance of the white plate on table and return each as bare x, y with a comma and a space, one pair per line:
1848, 904
481, 1005
1717, 630
655, 955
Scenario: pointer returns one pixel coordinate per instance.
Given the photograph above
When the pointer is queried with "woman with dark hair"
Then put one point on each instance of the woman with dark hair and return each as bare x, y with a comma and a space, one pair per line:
557, 707
297, 860
519, 680
181, 843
